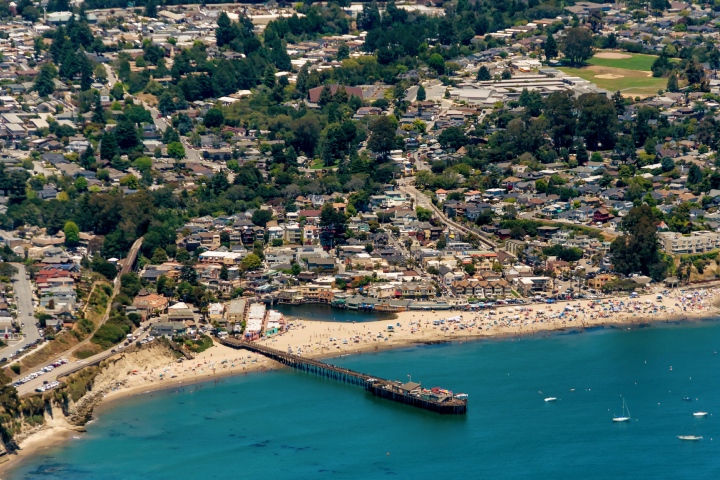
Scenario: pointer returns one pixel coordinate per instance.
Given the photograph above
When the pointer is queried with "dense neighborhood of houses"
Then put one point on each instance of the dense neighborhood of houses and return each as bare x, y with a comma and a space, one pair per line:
448, 185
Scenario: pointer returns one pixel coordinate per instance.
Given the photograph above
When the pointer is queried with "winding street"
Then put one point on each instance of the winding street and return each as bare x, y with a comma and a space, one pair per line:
424, 201
68, 368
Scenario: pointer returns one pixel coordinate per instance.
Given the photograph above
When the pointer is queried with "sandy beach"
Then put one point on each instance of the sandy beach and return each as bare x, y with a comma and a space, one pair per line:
318, 339
152, 369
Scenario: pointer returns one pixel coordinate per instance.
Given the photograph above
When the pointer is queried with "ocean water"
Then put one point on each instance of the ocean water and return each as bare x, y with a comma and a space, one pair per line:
290, 425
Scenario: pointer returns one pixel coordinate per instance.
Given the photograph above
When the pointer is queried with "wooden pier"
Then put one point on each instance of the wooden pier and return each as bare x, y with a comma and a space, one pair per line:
409, 394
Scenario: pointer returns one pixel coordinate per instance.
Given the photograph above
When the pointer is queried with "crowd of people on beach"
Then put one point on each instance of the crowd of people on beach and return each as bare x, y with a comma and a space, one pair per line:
322, 339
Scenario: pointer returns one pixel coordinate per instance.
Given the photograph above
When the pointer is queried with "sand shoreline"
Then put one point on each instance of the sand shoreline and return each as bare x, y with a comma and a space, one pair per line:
325, 340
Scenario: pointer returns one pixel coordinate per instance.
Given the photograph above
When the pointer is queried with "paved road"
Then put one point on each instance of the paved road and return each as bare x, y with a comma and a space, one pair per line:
112, 78
32, 385
191, 153
411, 93
532, 216
160, 124
424, 201
23, 294
69, 368
127, 268
419, 164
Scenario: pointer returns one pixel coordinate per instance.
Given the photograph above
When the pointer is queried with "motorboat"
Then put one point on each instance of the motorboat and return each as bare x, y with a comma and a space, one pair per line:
550, 399
700, 414
690, 438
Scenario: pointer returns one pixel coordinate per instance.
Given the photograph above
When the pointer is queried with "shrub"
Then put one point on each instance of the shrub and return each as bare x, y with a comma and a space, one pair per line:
109, 335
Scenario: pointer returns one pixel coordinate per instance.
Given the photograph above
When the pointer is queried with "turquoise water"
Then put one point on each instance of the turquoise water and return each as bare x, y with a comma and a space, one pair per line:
289, 425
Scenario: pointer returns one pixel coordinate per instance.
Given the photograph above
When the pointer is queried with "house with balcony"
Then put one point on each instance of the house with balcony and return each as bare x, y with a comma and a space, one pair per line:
417, 290
529, 286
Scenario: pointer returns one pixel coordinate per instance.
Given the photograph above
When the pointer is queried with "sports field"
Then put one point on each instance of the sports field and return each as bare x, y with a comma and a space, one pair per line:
628, 72
629, 61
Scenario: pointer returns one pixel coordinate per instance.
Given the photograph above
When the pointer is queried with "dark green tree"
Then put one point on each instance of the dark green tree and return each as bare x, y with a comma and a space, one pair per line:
551, 47
667, 164
437, 63
582, 156
151, 9
560, 116
224, 33
483, 74
126, 134
695, 175
597, 121
214, 118
343, 51
44, 84
382, 137
637, 250
302, 78
261, 217
619, 102
577, 45
452, 137
108, 146
326, 96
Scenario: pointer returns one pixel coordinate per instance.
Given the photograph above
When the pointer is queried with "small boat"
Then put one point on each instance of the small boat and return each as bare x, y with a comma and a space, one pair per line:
462, 396
687, 399
550, 399
700, 414
625, 417
690, 438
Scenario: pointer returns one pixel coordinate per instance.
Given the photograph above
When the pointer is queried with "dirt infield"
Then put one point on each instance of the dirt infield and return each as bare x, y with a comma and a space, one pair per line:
631, 83
612, 55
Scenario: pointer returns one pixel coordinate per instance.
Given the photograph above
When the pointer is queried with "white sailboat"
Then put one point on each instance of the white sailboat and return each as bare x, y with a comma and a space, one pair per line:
625, 417
701, 413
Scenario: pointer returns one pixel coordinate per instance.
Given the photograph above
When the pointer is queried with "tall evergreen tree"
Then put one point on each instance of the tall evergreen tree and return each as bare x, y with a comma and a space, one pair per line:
108, 146
326, 96
302, 78
483, 74
224, 33
151, 9
619, 102
551, 47
87, 158
98, 112
44, 84
421, 94
582, 155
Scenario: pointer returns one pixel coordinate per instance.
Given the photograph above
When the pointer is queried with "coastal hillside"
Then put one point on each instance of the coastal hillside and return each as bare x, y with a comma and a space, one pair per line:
70, 407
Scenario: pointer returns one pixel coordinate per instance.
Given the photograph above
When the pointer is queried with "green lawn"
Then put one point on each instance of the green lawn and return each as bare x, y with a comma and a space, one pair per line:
629, 82
636, 61
318, 164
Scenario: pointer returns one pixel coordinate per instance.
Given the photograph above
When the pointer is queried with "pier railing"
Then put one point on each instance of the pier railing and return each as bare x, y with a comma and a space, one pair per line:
377, 386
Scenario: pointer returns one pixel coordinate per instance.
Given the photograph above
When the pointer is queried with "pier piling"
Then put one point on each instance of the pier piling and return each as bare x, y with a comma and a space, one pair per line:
395, 391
